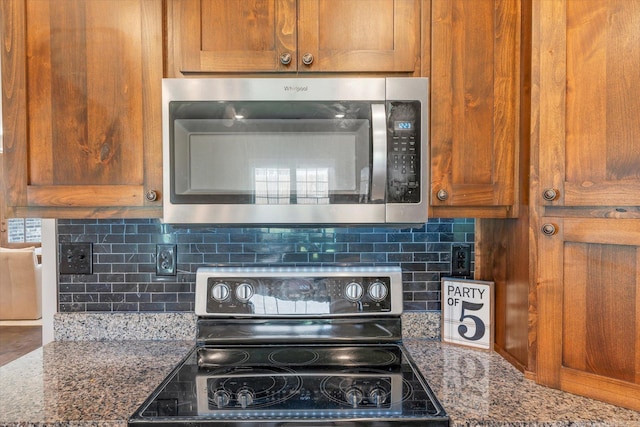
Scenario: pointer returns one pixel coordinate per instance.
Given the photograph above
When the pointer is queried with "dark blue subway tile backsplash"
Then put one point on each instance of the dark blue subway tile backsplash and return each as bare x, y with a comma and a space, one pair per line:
124, 275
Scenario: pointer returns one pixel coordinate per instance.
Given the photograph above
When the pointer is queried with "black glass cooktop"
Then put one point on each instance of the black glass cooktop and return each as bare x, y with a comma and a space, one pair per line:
308, 385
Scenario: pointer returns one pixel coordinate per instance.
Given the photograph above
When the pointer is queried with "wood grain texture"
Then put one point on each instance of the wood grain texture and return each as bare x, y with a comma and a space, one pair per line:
595, 104
585, 145
222, 36
502, 258
91, 103
475, 134
14, 103
359, 35
601, 316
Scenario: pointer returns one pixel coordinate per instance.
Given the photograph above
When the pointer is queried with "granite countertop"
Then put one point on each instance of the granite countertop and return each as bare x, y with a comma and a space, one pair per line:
101, 383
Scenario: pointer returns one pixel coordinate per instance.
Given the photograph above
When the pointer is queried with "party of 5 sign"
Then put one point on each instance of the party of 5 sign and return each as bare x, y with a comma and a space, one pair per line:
467, 312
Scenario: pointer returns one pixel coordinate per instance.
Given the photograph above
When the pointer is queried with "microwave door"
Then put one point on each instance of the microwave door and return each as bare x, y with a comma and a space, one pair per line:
379, 161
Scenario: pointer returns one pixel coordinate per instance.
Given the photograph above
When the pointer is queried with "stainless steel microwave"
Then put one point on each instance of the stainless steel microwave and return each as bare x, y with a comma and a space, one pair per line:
295, 151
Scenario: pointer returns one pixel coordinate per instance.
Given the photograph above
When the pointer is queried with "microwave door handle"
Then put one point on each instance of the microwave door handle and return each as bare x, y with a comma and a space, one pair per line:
379, 163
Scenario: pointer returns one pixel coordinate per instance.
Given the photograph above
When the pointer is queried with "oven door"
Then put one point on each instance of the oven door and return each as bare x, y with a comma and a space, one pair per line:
277, 162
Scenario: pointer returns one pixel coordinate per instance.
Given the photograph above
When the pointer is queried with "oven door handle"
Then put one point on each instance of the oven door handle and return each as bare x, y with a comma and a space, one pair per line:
379, 163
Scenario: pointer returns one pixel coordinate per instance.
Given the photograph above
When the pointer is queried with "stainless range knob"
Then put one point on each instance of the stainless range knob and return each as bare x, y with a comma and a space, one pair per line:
244, 292
221, 398
378, 291
353, 291
220, 291
378, 396
353, 396
245, 398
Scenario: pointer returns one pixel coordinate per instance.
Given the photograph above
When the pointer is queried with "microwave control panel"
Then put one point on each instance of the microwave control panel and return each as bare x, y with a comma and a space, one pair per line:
403, 152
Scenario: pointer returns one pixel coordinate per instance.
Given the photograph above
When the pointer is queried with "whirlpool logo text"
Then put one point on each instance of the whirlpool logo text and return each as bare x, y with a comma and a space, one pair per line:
296, 88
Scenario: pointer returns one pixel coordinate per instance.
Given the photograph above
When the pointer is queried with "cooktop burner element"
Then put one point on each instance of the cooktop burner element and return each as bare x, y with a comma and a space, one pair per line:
286, 357
251, 369
242, 388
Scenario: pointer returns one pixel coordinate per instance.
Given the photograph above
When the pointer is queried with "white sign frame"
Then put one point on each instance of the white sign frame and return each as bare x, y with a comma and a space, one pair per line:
467, 310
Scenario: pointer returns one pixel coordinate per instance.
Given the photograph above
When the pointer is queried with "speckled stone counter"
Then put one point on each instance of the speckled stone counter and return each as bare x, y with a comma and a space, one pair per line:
182, 326
480, 388
101, 383
86, 383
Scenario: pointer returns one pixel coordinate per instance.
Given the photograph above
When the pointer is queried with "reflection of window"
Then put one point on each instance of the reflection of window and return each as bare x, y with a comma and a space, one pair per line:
20, 230
272, 186
312, 186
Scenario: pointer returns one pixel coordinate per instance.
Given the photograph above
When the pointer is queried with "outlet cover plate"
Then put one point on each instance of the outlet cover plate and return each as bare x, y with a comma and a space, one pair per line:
166, 260
461, 260
76, 258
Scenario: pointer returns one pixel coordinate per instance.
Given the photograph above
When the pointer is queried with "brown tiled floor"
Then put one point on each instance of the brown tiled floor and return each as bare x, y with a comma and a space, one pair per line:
16, 341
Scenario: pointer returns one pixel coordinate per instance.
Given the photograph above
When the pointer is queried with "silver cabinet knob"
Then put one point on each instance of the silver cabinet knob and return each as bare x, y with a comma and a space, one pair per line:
549, 229
442, 195
151, 195
285, 58
307, 59
550, 194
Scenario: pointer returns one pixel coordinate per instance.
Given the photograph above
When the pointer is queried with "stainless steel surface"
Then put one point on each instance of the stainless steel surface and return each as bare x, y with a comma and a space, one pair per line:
283, 331
274, 89
374, 90
274, 369
379, 172
214, 286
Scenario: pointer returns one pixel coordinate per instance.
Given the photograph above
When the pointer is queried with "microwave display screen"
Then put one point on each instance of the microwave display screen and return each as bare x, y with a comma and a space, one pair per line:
402, 125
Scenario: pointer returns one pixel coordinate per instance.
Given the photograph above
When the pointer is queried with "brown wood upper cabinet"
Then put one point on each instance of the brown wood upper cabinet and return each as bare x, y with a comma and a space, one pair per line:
590, 148
229, 36
81, 107
476, 71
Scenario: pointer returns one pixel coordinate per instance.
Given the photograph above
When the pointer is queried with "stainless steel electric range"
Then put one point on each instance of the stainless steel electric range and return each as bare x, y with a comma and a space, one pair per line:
295, 347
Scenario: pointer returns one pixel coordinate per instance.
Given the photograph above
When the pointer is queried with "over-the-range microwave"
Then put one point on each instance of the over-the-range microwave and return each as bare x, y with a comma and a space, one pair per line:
295, 151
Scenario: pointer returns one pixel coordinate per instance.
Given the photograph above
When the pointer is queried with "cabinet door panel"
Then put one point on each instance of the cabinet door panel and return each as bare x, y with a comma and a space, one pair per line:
475, 104
594, 97
585, 129
95, 133
589, 305
89, 143
231, 35
359, 35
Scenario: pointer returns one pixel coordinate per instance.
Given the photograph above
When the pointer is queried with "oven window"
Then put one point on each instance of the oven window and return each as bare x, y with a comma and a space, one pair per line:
301, 153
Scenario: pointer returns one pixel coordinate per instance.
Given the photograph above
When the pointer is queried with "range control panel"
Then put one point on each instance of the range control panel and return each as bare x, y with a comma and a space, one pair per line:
275, 292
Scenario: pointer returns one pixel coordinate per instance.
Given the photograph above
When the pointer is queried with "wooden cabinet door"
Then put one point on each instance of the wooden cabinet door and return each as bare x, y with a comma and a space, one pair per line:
589, 308
589, 87
358, 35
257, 36
586, 187
81, 93
475, 107
231, 36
